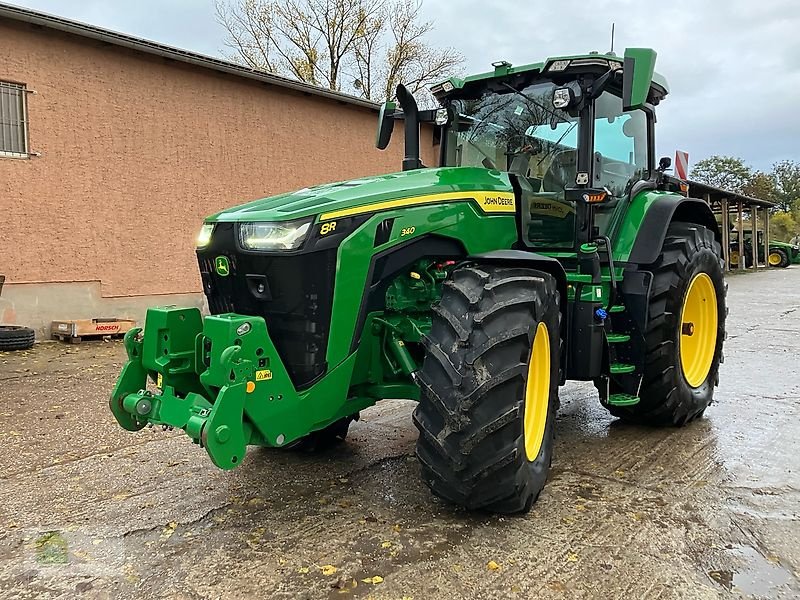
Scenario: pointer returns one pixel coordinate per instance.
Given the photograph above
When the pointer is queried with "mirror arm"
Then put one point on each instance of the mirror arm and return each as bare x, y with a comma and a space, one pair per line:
600, 84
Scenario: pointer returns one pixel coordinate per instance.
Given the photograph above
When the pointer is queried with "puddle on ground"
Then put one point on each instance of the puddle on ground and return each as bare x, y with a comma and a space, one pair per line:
757, 576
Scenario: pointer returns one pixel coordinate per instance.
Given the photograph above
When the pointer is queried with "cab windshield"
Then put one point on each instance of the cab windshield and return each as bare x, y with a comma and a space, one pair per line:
519, 131
516, 131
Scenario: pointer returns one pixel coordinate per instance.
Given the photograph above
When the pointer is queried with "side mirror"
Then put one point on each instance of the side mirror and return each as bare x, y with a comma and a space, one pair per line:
385, 124
664, 163
637, 74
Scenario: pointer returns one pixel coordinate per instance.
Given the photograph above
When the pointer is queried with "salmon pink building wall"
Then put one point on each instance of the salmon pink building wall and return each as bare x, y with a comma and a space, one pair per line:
134, 150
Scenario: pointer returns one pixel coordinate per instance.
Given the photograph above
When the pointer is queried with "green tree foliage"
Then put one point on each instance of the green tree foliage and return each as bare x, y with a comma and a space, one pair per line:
362, 47
762, 186
783, 227
787, 185
725, 172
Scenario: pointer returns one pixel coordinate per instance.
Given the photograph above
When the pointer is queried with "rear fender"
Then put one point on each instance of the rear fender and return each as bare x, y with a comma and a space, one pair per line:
663, 211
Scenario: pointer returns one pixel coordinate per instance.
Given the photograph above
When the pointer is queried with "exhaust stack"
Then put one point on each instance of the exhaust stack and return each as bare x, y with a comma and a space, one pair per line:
411, 117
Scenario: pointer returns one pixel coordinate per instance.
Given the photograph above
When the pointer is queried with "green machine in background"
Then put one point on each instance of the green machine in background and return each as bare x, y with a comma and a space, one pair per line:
781, 254
548, 245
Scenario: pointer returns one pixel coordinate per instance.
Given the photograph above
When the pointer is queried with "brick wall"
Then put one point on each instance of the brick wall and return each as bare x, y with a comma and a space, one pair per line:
136, 150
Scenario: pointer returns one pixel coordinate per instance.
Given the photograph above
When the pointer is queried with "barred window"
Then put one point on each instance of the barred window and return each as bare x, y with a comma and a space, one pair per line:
13, 120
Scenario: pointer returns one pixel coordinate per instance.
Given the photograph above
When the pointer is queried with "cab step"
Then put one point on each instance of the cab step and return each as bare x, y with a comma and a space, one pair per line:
623, 400
621, 368
617, 308
618, 338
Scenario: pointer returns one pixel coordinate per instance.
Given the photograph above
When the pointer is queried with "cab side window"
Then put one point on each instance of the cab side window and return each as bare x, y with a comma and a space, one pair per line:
620, 147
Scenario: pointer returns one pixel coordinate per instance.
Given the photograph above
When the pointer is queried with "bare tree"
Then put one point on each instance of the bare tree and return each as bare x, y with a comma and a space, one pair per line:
363, 47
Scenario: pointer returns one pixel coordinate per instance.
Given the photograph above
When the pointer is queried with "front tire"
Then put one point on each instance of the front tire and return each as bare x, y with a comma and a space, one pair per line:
489, 384
324, 439
683, 341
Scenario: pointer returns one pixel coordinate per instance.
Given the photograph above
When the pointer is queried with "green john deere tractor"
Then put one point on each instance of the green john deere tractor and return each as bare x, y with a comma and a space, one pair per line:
547, 245
781, 254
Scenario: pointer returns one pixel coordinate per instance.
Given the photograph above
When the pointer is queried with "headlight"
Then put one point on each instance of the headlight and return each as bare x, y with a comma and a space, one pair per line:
204, 237
281, 235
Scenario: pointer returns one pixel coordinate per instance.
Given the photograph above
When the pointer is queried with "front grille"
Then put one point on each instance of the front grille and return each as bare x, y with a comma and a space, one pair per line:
295, 300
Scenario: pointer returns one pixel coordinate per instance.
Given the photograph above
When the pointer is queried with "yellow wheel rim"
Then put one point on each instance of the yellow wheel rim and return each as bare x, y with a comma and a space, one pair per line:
698, 339
537, 393
774, 259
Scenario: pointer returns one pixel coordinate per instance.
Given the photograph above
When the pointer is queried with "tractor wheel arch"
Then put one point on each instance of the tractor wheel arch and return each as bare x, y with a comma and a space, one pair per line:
387, 264
662, 212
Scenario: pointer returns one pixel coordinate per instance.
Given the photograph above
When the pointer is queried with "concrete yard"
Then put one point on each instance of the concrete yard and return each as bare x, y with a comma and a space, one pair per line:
711, 510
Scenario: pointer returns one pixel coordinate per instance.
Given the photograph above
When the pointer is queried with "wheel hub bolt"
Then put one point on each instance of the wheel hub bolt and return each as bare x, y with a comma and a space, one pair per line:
688, 328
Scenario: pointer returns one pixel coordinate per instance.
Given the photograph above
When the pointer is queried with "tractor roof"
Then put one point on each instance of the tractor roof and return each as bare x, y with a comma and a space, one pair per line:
553, 65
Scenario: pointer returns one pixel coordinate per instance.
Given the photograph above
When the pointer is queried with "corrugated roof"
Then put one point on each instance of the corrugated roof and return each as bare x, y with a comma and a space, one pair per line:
26, 15
698, 190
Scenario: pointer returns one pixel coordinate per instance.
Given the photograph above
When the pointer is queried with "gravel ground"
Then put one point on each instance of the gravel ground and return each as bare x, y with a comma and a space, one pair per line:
707, 511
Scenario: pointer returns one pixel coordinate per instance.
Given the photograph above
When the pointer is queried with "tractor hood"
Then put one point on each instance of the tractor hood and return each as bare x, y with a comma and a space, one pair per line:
778, 244
357, 192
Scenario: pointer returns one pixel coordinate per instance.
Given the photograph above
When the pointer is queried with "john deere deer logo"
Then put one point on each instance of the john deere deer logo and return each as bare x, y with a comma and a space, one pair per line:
221, 266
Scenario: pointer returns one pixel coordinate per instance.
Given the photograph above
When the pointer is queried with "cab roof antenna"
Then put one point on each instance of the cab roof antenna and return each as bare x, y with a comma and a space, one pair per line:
612, 38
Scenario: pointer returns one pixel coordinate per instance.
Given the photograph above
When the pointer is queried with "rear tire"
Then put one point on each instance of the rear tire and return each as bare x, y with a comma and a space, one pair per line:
15, 337
783, 261
666, 397
472, 411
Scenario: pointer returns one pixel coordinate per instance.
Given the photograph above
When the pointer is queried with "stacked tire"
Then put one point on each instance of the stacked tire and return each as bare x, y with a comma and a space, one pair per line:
16, 337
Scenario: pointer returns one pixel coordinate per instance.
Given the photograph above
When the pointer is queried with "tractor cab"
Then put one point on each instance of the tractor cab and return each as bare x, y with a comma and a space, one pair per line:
574, 133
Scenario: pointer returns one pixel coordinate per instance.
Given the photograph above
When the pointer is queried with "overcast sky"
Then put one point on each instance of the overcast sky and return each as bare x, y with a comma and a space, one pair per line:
733, 65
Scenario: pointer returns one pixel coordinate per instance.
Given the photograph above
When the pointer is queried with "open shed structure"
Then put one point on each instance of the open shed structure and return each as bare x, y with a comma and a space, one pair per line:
725, 203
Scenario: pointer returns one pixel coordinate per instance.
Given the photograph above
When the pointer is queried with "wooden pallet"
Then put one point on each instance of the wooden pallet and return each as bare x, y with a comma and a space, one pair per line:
74, 330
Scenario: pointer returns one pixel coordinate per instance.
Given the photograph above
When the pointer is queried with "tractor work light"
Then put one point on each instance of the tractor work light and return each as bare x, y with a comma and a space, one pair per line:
442, 117
562, 97
558, 65
204, 237
278, 235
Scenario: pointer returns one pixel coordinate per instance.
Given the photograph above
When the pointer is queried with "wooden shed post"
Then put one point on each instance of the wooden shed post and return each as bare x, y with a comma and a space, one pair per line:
740, 227
726, 234
754, 242
766, 235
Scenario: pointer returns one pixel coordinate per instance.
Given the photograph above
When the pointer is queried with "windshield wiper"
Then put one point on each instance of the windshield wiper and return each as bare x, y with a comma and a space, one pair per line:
549, 111
557, 144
